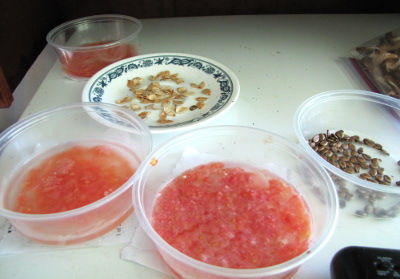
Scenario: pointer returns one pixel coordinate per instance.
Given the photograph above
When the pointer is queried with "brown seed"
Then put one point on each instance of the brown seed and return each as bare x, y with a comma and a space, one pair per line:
373, 172
339, 134
354, 160
378, 146
355, 138
376, 160
349, 170
352, 146
374, 166
387, 178
364, 165
379, 177
206, 92
369, 142
365, 176
366, 157
360, 150
361, 159
324, 143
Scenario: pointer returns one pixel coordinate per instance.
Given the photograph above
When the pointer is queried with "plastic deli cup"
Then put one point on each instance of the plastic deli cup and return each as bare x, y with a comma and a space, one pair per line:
66, 174
86, 45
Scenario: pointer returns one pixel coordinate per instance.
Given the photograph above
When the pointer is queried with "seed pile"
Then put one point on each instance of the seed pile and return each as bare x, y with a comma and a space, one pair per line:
340, 150
348, 154
168, 100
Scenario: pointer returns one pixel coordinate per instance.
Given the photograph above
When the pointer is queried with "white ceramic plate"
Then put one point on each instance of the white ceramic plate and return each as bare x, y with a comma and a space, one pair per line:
110, 85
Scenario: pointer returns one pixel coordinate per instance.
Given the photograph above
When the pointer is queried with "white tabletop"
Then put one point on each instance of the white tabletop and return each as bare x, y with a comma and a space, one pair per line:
280, 61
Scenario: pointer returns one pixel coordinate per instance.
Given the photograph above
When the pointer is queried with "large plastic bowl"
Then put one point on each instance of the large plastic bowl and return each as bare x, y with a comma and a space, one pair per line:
26, 143
242, 146
86, 45
367, 115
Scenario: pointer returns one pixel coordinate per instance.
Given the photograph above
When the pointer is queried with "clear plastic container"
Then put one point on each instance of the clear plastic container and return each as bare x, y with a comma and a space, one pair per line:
367, 115
86, 45
242, 146
26, 143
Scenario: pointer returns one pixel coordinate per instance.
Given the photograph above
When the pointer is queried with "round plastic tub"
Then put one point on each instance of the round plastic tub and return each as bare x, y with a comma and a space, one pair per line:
367, 115
28, 143
240, 146
86, 45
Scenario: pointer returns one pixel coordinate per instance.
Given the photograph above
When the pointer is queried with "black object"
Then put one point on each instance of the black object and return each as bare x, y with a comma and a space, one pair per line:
356, 262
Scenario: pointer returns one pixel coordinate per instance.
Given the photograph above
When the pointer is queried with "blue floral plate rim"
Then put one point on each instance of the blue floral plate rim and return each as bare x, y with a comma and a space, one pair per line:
101, 87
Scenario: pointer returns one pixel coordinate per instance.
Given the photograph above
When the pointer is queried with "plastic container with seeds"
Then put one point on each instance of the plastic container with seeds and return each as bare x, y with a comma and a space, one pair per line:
354, 135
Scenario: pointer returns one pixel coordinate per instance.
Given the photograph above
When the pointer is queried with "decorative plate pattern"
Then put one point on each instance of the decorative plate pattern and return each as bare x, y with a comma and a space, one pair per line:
110, 85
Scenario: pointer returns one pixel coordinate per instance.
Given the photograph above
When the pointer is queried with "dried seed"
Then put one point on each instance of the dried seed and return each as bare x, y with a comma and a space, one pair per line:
379, 177
181, 89
200, 105
349, 170
376, 160
378, 146
373, 172
365, 176
144, 114
201, 99
181, 109
374, 166
387, 178
206, 92
124, 100
355, 138
135, 107
366, 157
369, 142
339, 134
316, 139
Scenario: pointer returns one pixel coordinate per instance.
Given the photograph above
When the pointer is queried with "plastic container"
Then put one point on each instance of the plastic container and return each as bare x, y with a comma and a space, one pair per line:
24, 144
367, 115
86, 45
242, 146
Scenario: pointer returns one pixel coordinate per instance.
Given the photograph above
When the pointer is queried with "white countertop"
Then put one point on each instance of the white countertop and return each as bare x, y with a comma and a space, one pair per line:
280, 61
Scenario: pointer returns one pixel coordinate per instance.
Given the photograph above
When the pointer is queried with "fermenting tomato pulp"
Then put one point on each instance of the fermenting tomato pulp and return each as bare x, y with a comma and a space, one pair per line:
233, 217
85, 63
67, 180
71, 179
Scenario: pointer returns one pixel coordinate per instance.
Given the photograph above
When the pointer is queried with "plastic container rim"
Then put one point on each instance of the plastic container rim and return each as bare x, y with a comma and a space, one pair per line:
89, 19
222, 271
37, 117
337, 95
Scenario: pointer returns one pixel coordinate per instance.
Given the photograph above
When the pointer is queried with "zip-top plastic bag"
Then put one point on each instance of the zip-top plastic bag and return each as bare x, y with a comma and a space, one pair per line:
378, 60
